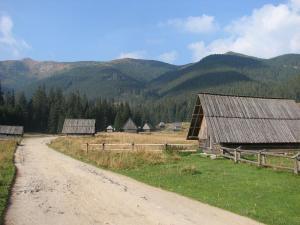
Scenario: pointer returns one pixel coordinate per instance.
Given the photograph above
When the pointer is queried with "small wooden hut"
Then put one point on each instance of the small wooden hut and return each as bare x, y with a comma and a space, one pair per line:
130, 126
109, 129
147, 127
79, 127
177, 126
161, 125
11, 130
246, 122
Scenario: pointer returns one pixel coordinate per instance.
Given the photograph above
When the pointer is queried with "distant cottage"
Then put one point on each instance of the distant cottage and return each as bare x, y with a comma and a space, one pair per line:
130, 126
79, 127
177, 126
109, 129
161, 125
147, 127
248, 122
11, 130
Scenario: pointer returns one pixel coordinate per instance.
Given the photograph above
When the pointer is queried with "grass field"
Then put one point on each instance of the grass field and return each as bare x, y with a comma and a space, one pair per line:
269, 196
7, 172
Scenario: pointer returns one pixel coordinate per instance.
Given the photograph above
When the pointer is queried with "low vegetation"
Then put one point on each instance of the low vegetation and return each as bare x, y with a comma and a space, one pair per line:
269, 196
7, 172
114, 160
75, 147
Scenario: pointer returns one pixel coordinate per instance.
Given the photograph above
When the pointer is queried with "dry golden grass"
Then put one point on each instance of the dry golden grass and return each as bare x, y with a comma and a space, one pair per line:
112, 159
161, 137
75, 147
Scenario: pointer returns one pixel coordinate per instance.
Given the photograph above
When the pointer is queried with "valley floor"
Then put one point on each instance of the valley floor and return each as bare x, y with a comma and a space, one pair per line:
52, 188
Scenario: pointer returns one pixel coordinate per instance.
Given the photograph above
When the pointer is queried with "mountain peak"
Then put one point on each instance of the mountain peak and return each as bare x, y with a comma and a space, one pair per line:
27, 59
236, 54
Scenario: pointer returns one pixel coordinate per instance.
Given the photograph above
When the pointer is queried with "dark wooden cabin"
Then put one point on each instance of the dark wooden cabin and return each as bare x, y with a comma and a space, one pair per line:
79, 127
246, 122
11, 130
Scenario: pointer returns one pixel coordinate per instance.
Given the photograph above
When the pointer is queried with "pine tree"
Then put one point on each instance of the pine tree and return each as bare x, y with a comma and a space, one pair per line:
40, 110
1, 95
118, 124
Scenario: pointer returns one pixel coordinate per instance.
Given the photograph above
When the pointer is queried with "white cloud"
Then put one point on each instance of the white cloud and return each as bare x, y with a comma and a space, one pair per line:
168, 57
193, 24
295, 4
269, 31
133, 55
10, 46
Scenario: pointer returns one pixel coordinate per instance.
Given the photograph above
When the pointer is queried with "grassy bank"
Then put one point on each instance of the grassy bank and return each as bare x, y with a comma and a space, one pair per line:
271, 197
111, 159
262, 194
7, 172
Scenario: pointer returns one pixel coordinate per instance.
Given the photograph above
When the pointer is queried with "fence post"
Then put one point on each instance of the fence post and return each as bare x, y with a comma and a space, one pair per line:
87, 148
222, 151
263, 159
103, 146
259, 158
235, 156
132, 146
296, 166
166, 146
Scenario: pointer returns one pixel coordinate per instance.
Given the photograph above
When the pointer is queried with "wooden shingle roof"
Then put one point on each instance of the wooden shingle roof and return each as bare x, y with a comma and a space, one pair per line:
147, 126
79, 126
11, 130
109, 127
234, 119
129, 125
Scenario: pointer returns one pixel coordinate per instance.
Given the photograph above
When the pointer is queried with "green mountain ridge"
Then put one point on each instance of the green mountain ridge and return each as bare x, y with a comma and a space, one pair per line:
228, 70
137, 80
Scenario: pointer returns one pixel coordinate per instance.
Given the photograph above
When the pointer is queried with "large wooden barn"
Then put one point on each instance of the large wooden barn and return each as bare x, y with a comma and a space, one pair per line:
79, 127
11, 130
246, 122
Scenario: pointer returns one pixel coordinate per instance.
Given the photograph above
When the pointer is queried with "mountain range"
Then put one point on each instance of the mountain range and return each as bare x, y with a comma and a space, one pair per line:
137, 80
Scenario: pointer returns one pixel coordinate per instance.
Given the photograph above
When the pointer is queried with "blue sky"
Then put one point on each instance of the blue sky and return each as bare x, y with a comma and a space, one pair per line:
171, 30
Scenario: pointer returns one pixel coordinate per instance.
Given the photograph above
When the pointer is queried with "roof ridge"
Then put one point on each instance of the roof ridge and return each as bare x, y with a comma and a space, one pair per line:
244, 96
253, 118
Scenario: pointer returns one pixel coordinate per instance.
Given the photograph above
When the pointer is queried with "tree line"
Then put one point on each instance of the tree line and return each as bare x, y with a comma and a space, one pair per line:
45, 111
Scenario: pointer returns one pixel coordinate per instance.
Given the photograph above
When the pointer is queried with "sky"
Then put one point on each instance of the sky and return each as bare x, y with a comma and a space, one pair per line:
173, 31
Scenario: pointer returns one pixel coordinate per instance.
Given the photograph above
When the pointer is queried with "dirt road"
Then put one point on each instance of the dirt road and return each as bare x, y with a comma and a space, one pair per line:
52, 188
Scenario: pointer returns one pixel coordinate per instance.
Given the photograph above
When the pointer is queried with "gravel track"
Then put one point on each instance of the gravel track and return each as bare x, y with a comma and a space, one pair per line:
52, 188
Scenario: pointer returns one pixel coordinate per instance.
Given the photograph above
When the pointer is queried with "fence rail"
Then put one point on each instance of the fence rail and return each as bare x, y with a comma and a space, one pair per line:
238, 155
135, 146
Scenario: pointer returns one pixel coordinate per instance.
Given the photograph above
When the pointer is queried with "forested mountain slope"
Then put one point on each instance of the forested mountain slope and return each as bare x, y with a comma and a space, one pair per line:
137, 80
228, 71
17, 74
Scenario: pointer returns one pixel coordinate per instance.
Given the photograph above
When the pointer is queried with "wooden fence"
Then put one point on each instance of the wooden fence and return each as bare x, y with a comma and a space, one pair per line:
135, 147
262, 157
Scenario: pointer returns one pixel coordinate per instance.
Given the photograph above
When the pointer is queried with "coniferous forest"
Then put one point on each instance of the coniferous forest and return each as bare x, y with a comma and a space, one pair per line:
46, 111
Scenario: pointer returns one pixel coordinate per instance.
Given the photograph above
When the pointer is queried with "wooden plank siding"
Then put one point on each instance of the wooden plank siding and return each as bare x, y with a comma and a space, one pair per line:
11, 130
79, 126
